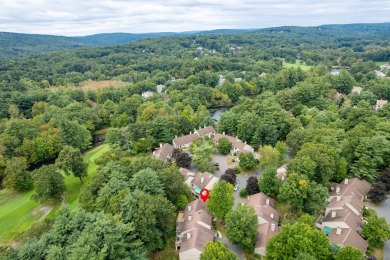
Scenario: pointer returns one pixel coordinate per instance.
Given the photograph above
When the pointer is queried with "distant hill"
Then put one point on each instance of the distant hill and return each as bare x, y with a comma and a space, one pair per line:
16, 44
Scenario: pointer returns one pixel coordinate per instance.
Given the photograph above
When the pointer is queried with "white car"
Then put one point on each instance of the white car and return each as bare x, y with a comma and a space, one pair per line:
236, 186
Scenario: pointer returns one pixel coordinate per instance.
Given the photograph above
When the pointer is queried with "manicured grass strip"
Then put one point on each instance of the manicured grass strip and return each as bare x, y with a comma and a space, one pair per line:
296, 65
16, 214
16, 208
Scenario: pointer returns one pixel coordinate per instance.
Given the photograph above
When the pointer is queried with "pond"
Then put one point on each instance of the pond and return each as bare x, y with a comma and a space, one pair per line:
217, 113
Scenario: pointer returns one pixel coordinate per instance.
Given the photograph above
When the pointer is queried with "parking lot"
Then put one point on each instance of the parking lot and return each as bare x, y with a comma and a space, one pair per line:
222, 160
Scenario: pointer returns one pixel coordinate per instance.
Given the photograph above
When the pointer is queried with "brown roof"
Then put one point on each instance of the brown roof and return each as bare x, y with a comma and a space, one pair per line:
260, 199
164, 152
344, 215
197, 222
205, 131
183, 140
348, 237
352, 186
268, 213
344, 201
197, 238
356, 90
202, 179
281, 172
264, 233
236, 143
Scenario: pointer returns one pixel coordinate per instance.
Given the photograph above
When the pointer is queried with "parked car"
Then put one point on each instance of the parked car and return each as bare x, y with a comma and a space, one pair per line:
236, 186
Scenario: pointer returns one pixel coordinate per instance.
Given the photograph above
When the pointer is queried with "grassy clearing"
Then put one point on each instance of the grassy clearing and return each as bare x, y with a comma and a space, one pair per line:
17, 209
379, 63
15, 214
169, 252
378, 253
297, 64
91, 85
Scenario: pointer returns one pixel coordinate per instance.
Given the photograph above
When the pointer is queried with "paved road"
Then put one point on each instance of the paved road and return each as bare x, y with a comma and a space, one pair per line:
383, 210
223, 166
236, 249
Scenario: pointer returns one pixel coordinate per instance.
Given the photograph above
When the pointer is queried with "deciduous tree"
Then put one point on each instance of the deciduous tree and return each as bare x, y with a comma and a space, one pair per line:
221, 199
48, 183
376, 231
70, 160
296, 239
217, 250
242, 227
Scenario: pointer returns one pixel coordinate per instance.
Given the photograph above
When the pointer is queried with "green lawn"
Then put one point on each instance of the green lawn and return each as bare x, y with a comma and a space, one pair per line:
296, 65
379, 63
16, 209
169, 252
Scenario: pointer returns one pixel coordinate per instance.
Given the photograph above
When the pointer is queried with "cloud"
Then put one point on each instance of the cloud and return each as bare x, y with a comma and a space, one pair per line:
81, 17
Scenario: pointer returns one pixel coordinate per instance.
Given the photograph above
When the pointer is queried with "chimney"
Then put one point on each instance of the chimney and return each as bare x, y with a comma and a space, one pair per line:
160, 145
338, 198
190, 132
189, 217
273, 227
194, 130
175, 136
333, 214
267, 201
188, 235
189, 208
337, 190
201, 179
272, 215
346, 181
338, 231
223, 132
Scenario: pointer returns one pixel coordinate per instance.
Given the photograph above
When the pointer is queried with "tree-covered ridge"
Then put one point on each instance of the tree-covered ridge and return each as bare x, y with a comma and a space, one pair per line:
18, 44
330, 132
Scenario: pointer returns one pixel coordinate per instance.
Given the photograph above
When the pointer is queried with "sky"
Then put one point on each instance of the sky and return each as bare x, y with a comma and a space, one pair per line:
86, 17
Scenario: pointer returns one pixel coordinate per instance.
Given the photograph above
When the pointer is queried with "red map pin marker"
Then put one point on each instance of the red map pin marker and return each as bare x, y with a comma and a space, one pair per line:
204, 194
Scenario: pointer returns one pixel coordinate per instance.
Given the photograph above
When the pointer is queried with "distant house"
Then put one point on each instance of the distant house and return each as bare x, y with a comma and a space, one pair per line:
186, 140
193, 230
208, 131
201, 181
379, 73
147, 94
380, 103
385, 67
160, 88
356, 90
268, 219
354, 186
238, 146
281, 172
164, 152
335, 72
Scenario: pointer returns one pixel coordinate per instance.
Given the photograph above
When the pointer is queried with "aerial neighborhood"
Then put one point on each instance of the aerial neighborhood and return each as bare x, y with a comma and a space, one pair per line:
229, 144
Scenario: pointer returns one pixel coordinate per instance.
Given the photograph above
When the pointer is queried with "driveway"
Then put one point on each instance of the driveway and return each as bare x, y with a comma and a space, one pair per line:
236, 249
383, 210
242, 179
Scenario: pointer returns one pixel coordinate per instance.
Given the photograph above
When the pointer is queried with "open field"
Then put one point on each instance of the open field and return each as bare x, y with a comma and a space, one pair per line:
93, 85
18, 212
296, 65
